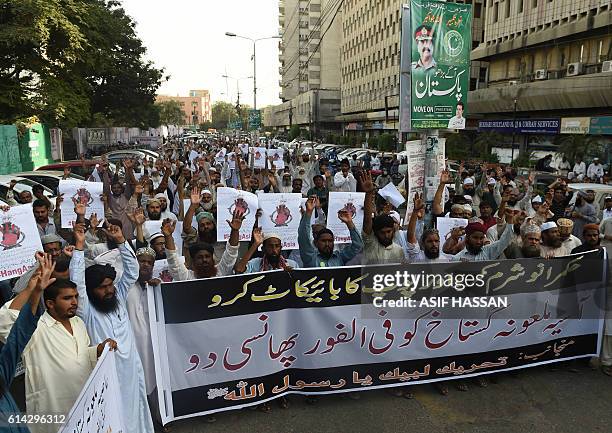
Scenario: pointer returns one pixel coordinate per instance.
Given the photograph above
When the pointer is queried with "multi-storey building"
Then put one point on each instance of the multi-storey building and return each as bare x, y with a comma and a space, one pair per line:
551, 57
309, 53
197, 108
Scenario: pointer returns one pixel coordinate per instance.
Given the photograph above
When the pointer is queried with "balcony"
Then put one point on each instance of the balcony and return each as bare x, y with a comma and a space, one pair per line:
550, 94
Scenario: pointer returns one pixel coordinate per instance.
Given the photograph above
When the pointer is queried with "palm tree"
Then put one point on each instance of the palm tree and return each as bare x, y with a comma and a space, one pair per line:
579, 145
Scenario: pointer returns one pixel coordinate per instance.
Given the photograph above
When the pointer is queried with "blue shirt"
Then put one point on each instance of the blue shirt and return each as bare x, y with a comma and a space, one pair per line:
20, 335
312, 258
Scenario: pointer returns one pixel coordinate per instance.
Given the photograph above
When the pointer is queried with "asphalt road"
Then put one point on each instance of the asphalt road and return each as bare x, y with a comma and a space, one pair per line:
536, 401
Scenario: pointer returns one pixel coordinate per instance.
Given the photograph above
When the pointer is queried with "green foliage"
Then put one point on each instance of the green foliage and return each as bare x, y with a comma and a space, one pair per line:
387, 142
585, 146
170, 112
70, 62
294, 132
524, 160
222, 112
206, 126
458, 146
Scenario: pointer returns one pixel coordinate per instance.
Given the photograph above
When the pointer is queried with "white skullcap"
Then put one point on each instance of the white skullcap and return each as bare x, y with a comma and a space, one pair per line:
536, 199
491, 181
467, 208
548, 225
468, 181
468, 197
395, 216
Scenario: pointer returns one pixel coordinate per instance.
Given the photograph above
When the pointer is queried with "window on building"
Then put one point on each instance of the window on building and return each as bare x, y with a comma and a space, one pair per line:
477, 10
495, 12
473, 83
508, 8
534, 3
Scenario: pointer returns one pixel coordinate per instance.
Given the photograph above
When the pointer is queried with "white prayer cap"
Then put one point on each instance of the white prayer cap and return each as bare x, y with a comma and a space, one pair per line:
270, 236
395, 216
468, 181
536, 199
468, 197
467, 208
491, 181
548, 225
206, 191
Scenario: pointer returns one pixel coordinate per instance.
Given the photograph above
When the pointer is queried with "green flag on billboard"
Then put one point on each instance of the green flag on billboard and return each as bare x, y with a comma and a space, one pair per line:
254, 119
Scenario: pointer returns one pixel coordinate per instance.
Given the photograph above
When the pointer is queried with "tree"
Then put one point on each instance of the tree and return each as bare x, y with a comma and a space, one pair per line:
170, 112
582, 145
222, 112
68, 61
294, 132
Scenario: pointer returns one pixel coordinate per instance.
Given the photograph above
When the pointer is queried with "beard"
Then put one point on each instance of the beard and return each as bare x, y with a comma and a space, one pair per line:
554, 243
471, 192
326, 254
472, 249
209, 237
531, 251
105, 305
273, 260
432, 254
155, 216
207, 206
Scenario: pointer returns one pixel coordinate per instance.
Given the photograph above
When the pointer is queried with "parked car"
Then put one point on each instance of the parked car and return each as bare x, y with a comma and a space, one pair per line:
50, 179
117, 156
82, 168
22, 185
601, 191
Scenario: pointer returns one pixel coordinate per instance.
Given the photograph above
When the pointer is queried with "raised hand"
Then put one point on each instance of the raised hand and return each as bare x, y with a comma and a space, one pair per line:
128, 163
365, 177
115, 234
237, 219
139, 188
79, 234
47, 266
196, 196
531, 177
418, 201
310, 204
345, 217
68, 250
58, 200
94, 221
5, 208
112, 344
257, 236
168, 227
445, 177
79, 208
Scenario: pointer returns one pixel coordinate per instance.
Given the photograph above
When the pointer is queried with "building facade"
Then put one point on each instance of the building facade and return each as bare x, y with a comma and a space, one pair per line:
551, 57
309, 47
197, 108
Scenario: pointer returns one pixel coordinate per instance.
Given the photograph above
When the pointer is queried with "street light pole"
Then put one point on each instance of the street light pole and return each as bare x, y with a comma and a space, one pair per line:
254, 78
513, 131
234, 35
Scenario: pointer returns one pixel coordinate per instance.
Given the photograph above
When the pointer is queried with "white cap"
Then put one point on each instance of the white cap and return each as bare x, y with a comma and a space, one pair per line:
548, 225
396, 216
206, 191
468, 197
536, 199
305, 152
468, 181
491, 181
467, 208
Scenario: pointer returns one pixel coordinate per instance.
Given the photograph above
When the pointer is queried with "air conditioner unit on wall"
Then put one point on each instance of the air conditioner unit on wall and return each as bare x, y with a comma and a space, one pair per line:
540, 74
574, 69
513, 82
606, 66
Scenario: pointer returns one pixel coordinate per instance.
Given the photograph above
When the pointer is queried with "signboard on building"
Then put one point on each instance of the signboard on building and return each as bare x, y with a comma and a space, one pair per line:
97, 137
354, 126
254, 119
575, 125
435, 64
601, 125
523, 126
147, 141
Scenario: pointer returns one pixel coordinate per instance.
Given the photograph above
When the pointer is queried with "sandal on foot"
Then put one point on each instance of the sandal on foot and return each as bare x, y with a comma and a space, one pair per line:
462, 386
481, 382
283, 403
442, 388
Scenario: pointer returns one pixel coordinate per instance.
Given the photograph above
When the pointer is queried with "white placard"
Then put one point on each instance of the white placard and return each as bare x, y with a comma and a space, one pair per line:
276, 157
161, 270
20, 241
281, 215
228, 199
244, 148
87, 193
351, 202
445, 225
231, 160
392, 195
98, 407
258, 157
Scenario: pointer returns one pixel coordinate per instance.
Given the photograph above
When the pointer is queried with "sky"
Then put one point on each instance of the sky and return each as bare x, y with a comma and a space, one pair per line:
187, 38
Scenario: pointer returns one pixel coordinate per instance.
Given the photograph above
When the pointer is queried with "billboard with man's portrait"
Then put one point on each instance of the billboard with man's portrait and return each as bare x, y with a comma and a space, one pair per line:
435, 64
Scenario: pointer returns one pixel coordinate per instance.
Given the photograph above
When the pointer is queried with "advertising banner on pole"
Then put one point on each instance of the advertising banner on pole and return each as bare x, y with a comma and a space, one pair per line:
438, 38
